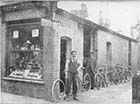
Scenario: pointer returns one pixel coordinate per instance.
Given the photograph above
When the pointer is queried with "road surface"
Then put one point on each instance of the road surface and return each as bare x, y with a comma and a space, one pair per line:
115, 94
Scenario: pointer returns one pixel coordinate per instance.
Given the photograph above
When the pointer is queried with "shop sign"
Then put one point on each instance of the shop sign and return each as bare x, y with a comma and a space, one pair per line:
35, 32
15, 34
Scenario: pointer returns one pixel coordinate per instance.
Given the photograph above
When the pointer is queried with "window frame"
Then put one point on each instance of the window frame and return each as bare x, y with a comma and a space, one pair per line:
9, 38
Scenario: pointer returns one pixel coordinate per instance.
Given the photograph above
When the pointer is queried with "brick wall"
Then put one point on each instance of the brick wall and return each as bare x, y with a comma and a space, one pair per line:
119, 48
3, 46
134, 56
25, 14
139, 56
26, 89
71, 29
0, 46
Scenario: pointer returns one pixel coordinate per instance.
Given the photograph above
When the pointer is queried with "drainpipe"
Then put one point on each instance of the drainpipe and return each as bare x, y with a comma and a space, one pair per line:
139, 55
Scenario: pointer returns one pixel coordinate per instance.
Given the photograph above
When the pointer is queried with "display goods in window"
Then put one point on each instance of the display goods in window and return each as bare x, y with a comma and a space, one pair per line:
26, 53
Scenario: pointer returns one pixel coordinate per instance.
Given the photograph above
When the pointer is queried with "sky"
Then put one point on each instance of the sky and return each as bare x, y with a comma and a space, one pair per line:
122, 15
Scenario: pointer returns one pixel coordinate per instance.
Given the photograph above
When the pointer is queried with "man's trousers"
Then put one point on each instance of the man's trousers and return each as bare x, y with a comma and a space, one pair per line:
71, 81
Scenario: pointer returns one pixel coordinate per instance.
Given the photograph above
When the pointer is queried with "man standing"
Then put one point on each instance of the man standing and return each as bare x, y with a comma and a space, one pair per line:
136, 87
72, 66
90, 68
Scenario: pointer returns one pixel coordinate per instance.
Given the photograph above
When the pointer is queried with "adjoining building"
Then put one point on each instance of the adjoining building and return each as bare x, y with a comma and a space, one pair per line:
36, 40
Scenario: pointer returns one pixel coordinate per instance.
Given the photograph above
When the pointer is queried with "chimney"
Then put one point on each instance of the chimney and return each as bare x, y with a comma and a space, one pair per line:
83, 6
83, 12
138, 30
132, 32
100, 20
107, 23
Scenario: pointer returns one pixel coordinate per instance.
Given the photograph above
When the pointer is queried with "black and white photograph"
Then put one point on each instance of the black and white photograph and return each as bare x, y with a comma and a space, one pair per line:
70, 51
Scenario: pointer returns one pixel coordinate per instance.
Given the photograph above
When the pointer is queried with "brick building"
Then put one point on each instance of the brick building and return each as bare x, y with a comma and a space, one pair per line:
36, 40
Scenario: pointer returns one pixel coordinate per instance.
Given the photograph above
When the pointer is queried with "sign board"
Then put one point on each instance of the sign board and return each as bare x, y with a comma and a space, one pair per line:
35, 32
15, 34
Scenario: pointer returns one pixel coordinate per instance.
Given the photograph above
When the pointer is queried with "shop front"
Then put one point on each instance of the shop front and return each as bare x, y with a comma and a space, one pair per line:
35, 43
27, 49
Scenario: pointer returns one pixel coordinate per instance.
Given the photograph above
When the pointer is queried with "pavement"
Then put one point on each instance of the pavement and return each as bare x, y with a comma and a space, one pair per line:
115, 94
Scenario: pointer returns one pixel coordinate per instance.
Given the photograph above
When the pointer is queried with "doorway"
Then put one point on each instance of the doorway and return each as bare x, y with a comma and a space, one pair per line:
109, 55
65, 49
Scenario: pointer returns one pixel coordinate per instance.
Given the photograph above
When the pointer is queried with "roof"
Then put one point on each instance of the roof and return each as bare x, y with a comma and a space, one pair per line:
71, 16
91, 23
3, 3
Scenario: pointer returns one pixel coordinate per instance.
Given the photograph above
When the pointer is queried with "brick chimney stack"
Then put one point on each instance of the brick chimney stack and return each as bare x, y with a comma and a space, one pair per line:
107, 23
137, 27
100, 20
132, 32
83, 12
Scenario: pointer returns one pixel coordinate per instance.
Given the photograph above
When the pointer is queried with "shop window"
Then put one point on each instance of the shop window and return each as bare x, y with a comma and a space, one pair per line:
24, 57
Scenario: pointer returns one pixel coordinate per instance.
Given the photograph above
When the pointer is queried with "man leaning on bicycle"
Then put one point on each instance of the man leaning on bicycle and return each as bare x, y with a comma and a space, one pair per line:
90, 66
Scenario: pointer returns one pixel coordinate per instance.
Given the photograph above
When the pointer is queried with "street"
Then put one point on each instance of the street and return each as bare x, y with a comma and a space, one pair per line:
115, 94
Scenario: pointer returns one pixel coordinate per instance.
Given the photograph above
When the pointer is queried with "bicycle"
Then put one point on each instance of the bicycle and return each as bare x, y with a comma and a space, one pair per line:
109, 76
84, 85
127, 73
100, 78
116, 75
59, 94
119, 74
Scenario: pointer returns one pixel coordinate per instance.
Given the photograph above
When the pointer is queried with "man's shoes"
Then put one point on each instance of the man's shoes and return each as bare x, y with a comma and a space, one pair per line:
98, 88
66, 98
74, 98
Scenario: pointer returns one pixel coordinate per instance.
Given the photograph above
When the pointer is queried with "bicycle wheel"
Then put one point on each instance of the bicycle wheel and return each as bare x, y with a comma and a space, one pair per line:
128, 76
121, 76
57, 92
87, 82
98, 80
107, 79
115, 78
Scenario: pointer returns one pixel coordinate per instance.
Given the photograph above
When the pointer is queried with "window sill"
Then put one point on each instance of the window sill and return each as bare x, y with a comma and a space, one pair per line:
24, 80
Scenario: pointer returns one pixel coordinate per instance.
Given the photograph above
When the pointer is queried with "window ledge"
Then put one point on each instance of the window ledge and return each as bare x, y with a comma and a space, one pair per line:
24, 80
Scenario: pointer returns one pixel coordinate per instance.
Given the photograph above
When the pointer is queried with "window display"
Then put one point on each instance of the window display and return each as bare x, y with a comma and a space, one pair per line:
25, 48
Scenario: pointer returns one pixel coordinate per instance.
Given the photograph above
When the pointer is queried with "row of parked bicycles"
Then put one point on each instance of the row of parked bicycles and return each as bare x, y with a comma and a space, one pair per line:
114, 75
103, 77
